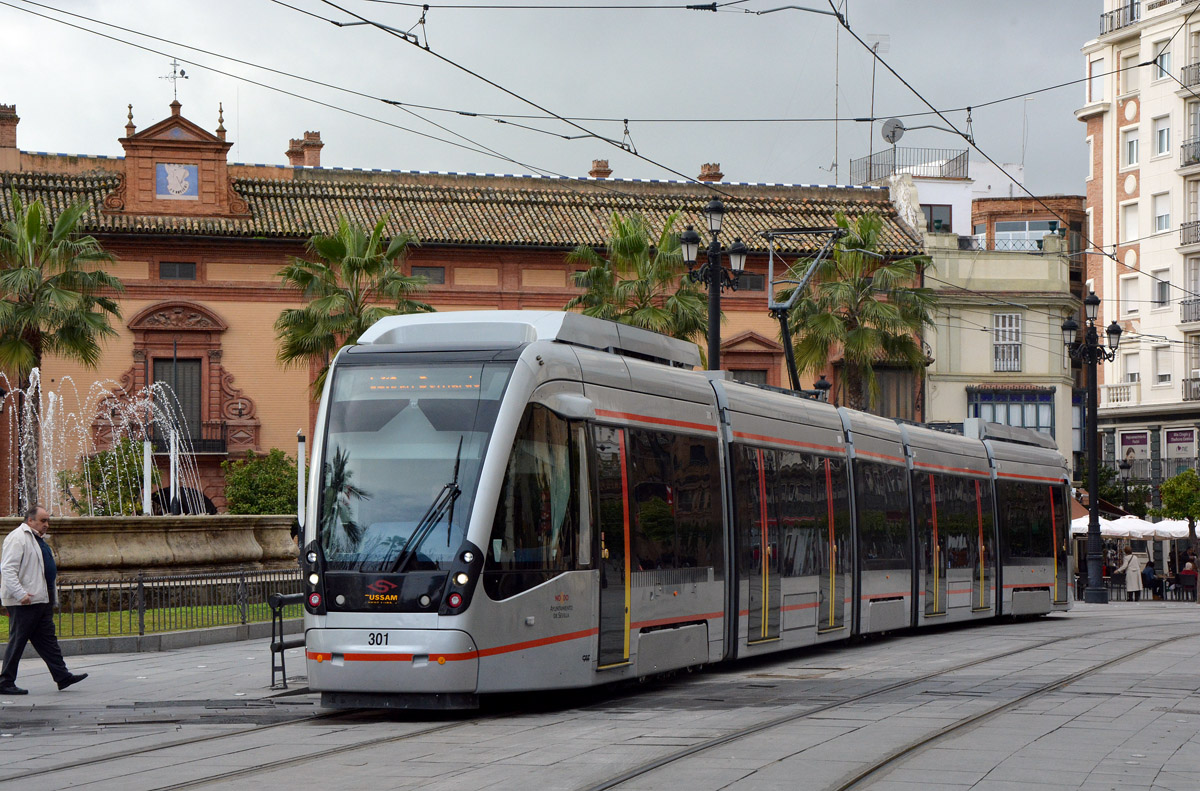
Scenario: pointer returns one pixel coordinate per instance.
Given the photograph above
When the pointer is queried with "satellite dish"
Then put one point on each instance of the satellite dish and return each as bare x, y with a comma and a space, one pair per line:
893, 130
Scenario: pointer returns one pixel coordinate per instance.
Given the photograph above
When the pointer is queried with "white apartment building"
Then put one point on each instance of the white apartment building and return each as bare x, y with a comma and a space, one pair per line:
1143, 218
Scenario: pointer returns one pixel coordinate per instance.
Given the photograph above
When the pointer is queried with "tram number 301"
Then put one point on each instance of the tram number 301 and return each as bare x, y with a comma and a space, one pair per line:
377, 638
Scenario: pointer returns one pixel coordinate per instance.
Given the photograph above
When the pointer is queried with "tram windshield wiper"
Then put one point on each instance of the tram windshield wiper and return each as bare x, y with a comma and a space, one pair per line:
442, 506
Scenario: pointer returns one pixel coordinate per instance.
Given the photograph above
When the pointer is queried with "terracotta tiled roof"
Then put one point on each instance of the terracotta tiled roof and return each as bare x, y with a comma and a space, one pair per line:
472, 210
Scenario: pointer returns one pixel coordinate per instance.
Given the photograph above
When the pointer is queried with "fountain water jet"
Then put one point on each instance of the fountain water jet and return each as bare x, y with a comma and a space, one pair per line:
48, 431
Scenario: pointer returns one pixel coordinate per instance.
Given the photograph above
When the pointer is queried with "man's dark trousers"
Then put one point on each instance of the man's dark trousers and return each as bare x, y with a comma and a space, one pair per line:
32, 623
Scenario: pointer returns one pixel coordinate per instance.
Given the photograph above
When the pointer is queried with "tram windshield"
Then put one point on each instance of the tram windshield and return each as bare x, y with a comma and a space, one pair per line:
395, 437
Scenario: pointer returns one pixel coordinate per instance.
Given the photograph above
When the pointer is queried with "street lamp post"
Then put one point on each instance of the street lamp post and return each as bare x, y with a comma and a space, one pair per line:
1091, 352
1124, 465
715, 277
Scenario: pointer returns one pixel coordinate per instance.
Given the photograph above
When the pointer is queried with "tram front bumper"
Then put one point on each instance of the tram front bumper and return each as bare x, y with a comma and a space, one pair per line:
391, 661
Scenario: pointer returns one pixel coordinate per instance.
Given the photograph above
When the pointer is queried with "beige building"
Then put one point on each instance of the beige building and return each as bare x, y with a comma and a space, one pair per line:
997, 346
1141, 111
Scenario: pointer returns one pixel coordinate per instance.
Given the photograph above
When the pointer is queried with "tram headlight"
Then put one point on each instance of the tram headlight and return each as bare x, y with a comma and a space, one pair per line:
461, 578
311, 557
313, 579
468, 557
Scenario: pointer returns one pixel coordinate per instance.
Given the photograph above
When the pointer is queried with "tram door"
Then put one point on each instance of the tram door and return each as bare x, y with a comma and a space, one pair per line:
1060, 533
933, 554
613, 501
760, 542
834, 544
981, 575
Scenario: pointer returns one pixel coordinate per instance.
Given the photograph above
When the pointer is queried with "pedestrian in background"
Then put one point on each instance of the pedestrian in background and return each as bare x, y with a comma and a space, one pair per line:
1133, 576
27, 572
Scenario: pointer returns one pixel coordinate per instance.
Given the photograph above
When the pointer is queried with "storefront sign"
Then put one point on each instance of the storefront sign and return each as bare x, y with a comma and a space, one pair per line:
1181, 443
1135, 446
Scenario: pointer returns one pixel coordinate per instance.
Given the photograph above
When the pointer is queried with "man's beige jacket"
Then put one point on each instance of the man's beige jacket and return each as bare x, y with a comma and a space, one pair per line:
22, 569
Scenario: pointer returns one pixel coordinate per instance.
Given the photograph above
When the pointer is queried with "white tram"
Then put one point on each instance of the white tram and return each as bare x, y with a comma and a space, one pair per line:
512, 500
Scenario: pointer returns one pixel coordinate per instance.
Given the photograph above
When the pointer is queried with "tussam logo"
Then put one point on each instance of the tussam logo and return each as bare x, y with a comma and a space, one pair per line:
382, 586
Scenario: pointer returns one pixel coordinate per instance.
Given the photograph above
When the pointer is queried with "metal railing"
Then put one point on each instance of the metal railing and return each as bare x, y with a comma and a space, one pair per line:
1140, 471
1189, 232
1189, 152
1189, 75
1006, 357
929, 163
1120, 17
1191, 389
1120, 394
212, 438
98, 608
1189, 310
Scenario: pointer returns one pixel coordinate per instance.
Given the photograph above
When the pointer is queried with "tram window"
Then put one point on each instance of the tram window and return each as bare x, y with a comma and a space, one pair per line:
960, 507
800, 489
675, 501
535, 533
389, 454
1024, 510
881, 495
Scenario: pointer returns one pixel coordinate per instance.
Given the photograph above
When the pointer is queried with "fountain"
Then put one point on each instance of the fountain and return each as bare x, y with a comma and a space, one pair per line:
61, 445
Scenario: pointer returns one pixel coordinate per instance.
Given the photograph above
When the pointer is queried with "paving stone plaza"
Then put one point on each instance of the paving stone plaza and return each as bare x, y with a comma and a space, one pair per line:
1104, 697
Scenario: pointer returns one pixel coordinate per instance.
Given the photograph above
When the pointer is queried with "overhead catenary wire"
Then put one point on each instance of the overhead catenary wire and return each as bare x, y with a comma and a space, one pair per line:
409, 39
567, 180
940, 114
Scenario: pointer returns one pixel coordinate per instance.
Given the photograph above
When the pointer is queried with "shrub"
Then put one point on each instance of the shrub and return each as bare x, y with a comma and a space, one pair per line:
261, 484
108, 483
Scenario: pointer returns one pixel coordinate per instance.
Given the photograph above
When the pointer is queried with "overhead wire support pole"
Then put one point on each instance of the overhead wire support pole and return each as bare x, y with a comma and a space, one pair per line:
780, 310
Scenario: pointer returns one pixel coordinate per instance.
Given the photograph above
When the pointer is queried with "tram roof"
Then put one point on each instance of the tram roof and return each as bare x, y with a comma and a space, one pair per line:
492, 329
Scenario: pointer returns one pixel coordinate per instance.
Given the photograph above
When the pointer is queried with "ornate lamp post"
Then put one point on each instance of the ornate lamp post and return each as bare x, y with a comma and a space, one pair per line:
1124, 465
1090, 352
715, 277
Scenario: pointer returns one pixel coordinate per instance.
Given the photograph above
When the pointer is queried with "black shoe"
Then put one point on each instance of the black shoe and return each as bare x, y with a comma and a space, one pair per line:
71, 679
13, 689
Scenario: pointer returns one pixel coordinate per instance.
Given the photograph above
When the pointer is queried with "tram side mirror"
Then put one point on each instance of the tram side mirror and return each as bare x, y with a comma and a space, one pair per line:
569, 405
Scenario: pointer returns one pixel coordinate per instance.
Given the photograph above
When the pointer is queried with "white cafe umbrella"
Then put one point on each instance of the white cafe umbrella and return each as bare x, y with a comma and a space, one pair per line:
1079, 526
1169, 529
1131, 526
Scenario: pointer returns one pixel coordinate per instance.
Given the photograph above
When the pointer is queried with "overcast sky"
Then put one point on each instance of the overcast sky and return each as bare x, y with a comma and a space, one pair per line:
71, 87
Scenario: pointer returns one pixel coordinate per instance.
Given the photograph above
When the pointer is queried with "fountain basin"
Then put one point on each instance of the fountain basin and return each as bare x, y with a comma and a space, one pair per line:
112, 547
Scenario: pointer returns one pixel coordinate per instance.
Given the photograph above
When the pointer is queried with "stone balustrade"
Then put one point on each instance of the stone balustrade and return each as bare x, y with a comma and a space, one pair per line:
103, 547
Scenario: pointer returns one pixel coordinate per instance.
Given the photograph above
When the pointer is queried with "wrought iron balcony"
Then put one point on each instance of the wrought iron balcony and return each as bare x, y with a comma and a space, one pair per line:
1189, 75
211, 439
1189, 153
1189, 232
1124, 16
1189, 310
1191, 389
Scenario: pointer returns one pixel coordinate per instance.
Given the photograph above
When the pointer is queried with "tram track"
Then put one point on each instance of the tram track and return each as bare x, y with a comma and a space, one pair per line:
864, 777
892, 759
627, 775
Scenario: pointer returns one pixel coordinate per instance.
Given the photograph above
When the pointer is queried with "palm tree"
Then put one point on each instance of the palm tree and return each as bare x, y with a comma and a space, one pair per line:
865, 304
355, 282
52, 301
642, 282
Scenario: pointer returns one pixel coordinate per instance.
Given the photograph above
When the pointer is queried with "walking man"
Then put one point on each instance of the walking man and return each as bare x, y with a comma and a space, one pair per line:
27, 572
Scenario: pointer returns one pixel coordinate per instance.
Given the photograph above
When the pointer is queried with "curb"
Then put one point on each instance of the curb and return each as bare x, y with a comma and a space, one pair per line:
169, 641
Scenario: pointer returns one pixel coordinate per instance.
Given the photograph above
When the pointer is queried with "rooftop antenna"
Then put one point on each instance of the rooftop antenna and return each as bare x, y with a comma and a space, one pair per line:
175, 75
880, 43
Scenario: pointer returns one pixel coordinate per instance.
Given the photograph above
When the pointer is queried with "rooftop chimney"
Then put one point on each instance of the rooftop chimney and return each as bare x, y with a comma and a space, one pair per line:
600, 169
8, 125
305, 152
710, 171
